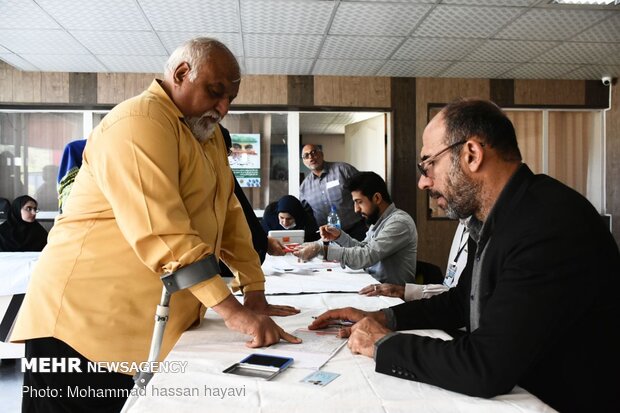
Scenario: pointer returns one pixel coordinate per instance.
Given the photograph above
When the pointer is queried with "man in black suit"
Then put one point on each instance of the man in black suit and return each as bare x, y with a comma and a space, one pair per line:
539, 304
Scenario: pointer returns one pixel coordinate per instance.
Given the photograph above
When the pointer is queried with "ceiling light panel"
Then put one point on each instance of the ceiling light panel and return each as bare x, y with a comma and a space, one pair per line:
96, 15
508, 51
121, 43
427, 48
192, 15
65, 63
291, 17
346, 67
256, 66
16, 61
412, 68
606, 31
394, 19
583, 53
359, 47
480, 70
545, 24
172, 40
456, 21
24, 14
301, 46
40, 41
540, 71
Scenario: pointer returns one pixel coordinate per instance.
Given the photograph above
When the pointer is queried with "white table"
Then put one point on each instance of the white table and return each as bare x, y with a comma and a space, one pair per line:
15, 270
210, 348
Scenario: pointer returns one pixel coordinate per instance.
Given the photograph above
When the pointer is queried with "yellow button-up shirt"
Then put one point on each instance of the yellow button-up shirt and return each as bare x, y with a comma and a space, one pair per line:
148, 199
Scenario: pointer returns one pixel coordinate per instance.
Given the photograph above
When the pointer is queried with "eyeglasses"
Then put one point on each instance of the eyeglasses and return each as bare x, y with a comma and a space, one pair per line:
32, 209
426, 163
310, 154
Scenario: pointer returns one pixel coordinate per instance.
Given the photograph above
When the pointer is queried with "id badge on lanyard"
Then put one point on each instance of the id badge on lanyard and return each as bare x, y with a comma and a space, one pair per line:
449, 279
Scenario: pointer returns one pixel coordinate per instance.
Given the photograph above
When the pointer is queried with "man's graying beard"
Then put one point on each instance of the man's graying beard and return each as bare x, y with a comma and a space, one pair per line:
462, 193
203, 127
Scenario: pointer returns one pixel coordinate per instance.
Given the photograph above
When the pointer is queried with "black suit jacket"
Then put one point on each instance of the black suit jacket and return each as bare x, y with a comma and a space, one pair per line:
259, 238
549, 307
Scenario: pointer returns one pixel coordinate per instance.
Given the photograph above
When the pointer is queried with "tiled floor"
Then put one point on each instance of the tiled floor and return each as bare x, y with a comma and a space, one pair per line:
11, 379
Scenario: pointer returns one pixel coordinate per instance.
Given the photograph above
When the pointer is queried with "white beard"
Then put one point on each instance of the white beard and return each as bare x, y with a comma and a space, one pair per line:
203, 127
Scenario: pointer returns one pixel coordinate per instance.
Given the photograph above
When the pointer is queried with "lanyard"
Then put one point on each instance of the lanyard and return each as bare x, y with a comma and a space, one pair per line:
462, 245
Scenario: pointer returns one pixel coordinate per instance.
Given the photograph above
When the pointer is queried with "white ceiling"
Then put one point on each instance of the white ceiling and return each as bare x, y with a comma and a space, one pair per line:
402, 38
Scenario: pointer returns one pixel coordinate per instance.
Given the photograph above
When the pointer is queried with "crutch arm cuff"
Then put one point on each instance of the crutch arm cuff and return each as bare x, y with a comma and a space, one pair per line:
191, 274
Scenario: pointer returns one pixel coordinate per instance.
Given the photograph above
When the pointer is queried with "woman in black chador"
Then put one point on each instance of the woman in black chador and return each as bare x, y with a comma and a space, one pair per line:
21, 231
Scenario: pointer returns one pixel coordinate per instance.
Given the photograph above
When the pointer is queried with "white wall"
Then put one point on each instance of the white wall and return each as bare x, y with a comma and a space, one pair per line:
364, 144
333, 147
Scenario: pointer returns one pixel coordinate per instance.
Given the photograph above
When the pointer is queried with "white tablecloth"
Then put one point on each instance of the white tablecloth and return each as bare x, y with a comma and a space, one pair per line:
211, 348
312, 277
15, 269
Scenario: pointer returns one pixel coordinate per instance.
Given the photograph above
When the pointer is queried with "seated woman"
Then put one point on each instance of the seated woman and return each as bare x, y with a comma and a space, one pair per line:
21, 231
288, 213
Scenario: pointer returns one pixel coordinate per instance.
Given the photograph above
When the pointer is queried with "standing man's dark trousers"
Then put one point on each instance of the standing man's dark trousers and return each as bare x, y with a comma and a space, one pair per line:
70, 391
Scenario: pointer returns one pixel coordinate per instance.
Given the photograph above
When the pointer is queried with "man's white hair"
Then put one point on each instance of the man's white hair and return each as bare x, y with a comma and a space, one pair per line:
196, 52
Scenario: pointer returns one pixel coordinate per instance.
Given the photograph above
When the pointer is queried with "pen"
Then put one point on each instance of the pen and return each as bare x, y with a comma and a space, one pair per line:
338, 323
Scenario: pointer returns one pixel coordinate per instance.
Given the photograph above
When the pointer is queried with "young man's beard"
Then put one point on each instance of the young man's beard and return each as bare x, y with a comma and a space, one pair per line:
373, 217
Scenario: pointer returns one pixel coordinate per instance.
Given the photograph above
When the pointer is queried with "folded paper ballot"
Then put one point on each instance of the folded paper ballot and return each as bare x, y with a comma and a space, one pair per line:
316, 349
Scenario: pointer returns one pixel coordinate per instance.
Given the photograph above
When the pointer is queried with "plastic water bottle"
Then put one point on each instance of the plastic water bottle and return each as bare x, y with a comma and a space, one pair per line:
333, 220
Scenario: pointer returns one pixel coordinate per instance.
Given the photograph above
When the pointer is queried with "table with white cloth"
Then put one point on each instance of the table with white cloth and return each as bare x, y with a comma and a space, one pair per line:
210, 348
15, 270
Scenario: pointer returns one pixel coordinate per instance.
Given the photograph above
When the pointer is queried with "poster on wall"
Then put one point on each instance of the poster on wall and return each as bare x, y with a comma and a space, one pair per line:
244, 158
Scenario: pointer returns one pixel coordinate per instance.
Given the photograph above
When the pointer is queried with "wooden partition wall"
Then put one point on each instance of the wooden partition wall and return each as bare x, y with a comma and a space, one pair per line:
406, 98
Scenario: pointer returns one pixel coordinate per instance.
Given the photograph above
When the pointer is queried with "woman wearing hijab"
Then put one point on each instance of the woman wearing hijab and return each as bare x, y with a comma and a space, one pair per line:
21, 231
288, 213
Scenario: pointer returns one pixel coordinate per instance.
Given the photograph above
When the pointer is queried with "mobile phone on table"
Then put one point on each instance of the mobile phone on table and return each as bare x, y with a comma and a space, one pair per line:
262, 366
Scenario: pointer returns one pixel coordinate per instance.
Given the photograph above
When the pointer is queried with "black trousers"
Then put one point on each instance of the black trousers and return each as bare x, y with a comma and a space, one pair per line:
63, 391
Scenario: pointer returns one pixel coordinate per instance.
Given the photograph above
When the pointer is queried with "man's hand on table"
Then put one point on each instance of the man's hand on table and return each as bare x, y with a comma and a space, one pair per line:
389, 290
264, 330
331, 317
364, 335
256, 301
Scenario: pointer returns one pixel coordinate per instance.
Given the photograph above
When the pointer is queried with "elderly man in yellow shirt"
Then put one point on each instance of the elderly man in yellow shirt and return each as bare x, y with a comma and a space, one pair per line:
154, 194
